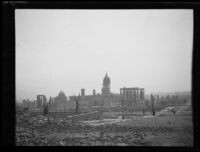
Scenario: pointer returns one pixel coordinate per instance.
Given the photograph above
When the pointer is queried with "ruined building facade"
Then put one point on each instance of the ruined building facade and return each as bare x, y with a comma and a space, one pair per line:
106, 86
130, 96
41, 100
106, 98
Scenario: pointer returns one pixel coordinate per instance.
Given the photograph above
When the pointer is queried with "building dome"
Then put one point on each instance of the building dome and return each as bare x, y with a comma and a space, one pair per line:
106, 80
61, 94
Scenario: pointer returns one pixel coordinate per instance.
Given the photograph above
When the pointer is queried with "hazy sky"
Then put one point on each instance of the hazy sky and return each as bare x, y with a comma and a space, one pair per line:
73, 49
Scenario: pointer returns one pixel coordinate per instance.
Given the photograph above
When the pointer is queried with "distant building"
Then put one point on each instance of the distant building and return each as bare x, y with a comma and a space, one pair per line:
26, 103
94, 92
51, 100
132, 96
82, 92
61, 98
106, 85
106, 98
41, 100
29, 104
59, 101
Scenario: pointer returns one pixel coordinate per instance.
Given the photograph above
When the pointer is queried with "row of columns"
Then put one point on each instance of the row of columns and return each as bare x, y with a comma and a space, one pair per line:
51, 100
41, 100
130, 96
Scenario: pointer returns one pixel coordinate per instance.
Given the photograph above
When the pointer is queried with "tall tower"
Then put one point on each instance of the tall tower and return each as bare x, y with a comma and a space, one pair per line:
106, 85
82, 92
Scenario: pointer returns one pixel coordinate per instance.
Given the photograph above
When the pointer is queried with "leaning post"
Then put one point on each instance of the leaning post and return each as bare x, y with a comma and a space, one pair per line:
152, 103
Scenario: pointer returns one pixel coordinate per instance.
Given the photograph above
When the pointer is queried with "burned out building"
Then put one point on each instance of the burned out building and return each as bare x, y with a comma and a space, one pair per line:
59, 101
61, 98
41, 100
132, 96
106, 98
106, 86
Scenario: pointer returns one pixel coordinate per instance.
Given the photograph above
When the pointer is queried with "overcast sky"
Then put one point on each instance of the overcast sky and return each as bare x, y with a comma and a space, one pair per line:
73, 49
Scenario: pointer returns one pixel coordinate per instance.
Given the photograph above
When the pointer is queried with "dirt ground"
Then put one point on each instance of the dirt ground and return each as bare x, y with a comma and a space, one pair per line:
164, 130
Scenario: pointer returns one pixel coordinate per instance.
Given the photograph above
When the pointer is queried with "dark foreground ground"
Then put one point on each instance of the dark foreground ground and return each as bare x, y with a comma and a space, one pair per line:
164, 130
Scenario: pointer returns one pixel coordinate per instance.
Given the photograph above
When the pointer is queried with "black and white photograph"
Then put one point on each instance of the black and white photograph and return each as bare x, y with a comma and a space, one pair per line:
104, 77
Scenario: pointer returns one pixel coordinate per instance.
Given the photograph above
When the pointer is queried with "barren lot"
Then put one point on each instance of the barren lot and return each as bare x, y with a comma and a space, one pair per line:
165, 130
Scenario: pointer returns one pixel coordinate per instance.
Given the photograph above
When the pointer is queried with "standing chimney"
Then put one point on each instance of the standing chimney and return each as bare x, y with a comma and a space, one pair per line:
94, 92
82, 92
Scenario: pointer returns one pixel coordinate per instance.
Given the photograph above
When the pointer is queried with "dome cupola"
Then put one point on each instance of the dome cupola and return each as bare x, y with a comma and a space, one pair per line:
61, 94
106, 80
106, 85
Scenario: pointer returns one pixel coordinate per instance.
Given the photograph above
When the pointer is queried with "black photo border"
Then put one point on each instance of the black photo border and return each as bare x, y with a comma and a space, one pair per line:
7, 103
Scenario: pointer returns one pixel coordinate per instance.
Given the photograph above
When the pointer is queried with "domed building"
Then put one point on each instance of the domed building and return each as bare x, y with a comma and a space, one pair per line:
61, 95
106, 98
61, 98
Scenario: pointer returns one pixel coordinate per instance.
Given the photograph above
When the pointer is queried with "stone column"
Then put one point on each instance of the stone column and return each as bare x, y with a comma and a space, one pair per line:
134, 95
137, 92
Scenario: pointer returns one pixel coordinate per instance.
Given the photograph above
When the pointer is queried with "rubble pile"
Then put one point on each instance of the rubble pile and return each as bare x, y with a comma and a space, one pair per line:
39, 130
34, 130
29, 137
27, 133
